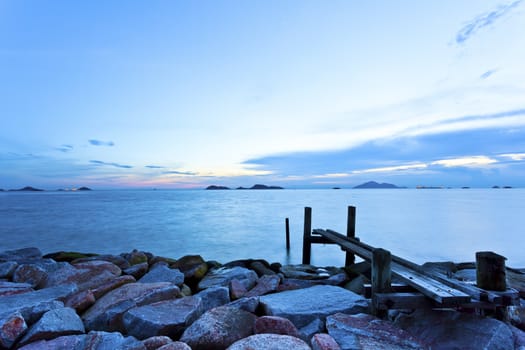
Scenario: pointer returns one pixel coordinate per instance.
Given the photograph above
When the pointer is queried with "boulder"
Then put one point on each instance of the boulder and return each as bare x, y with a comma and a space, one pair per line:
269, 342
176, 345
213, 297
308, 331
31, 274
90, 341
323, 341
246, 304
224, 275
12, 326
192, 266
265, 284
237, 289
367, 332
107, 312
302, 306
137, 270
275, 325
446, 329
218, 328
162, 273
99, 265
54, 323
136, 257
33, 305
86, 276
80, 301
115, 259
21, 254
153, 343
111, 284
302, 271
10, 288
467, 275
7, 269
169, 317
261, 268
68, 256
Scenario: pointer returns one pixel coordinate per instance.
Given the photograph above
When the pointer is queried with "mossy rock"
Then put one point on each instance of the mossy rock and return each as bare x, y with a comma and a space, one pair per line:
136, 257
193, 266
68, 256
157, 259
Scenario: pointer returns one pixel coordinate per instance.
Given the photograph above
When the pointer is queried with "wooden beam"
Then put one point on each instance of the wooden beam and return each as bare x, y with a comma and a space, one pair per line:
350, 233
381, 277
307, 233
385, 301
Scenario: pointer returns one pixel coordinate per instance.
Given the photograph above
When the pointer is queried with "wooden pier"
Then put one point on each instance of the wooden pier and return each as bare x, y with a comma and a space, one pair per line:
420, 287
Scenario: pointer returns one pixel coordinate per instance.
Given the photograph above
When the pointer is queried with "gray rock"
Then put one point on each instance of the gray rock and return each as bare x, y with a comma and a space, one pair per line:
302, 271
33, 304
54, 323
138, 270
369, 333
218, 328
449, 329
30, 274
213, 297
88, 275
246, 304
223, 276
153, 343
107, 312
302, 306
21, 254
12, 326
176, 345
265, 285
169, 317
308, 331
99, 265
7, 269
90, 341
115, 259
269, 342
162, 273
10, 288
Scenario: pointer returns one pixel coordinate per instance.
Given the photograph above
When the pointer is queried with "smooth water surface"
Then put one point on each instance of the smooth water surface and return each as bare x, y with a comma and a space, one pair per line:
421, 225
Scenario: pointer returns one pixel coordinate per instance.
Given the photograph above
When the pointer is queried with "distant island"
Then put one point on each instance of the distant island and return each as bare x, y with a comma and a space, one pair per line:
27, 189
254, 187
33, 189
373, 184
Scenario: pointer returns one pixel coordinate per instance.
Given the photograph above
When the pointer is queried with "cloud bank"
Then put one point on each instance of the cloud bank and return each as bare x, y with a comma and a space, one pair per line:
117, 165
101, 143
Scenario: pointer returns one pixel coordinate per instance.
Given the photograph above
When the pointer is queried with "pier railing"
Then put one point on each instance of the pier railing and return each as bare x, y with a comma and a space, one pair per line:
420, 287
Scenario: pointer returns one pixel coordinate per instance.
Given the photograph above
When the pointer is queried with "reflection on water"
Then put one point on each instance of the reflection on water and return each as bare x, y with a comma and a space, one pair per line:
421, 225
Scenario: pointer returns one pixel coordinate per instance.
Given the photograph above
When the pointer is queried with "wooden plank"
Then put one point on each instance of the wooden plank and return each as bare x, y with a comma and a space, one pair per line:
385, 301
381, 276
350, 233
394, 288
307, 245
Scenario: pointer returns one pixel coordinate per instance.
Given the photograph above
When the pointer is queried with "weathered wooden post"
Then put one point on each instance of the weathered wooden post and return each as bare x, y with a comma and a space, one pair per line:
350, 232
490, 271
287, 224
307, 243
381, 277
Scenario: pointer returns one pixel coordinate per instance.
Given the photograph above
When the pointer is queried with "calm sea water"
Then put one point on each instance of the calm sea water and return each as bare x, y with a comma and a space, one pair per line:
421, 225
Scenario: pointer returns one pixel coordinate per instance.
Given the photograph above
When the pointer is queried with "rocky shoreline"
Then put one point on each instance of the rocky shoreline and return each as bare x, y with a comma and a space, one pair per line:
140, 301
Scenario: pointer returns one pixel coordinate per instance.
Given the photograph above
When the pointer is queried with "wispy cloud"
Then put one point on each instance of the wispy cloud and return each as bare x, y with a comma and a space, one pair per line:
99, 162
468, 162
392, 168
484, 20
488, 73
154, 167
514, 156
176, 172
65, 148
101, 143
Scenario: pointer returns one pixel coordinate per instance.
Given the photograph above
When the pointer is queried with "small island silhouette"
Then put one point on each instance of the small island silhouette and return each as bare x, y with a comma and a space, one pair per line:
373, 184
254, 187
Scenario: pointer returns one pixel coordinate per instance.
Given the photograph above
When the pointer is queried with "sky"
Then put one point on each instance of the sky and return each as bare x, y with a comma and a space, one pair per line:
297, 93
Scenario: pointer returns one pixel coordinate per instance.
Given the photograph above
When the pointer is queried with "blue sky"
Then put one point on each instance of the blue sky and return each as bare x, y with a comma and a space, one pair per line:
184, 94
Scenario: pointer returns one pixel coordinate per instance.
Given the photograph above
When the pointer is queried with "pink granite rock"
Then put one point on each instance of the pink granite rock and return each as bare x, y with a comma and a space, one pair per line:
265, 285
80, 301
275, 325
323, 341
153, 343
12, 326
269, 342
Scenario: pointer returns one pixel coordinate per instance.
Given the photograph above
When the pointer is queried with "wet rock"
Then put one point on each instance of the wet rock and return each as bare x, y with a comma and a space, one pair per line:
10, 288
237, 289
185, 290
153, 343
86, 276
160, 259
90, 341
265, 284
519, 338
218, 328
99, 265
12, 326
308, 331
269, 342
169, 317
136, 257
137, 270
213, 297
300, 272
261, 268
223, 276
33, 304
176, 345
30, 274
80, 301
246, 304
302, 306
448, 329
192, 266
275, 325
467, 275
112, 284
68, 256
7, 269
323, 341
162, 273
54, 323
107, 312
21, 254
115, 259
363, 331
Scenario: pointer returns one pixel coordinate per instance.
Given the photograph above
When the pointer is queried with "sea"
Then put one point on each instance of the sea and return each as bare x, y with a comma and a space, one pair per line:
224, 225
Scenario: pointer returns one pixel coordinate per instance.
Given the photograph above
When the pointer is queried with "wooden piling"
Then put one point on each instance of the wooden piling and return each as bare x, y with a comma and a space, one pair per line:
490, 271
287, 224
381, 277
307, 244
350, 233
